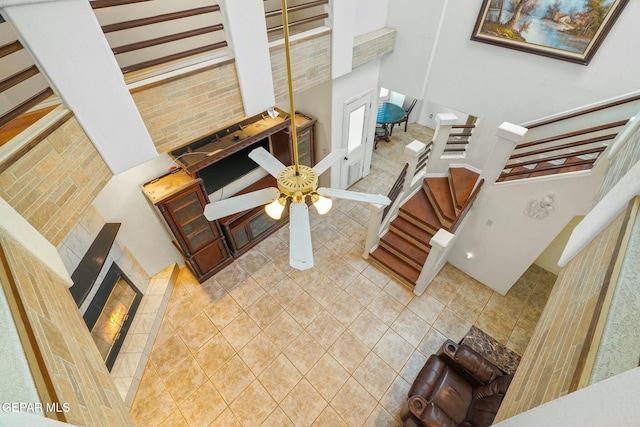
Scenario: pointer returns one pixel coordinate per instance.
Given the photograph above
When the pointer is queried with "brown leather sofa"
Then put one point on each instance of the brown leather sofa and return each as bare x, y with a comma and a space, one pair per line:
456, 387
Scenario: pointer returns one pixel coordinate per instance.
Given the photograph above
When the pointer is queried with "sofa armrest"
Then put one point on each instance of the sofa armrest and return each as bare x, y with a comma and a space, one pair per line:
429, 414
463, 358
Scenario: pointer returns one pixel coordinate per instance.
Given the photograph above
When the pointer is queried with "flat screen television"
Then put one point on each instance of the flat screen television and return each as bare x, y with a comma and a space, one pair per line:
231, 168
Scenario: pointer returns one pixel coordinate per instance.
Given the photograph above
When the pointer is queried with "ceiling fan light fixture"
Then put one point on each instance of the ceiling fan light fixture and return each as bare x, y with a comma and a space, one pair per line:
322, 204
275, 208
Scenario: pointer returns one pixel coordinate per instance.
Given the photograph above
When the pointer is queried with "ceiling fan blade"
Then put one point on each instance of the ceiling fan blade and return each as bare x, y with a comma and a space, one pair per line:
266, 161
329, 160
354, 195
300, 249
240, 203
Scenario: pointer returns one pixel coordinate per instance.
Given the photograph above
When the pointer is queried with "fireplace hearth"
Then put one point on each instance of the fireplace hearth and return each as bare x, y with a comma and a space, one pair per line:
110, 313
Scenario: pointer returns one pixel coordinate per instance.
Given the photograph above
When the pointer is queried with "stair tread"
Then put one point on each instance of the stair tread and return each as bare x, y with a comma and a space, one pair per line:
439, 188
405, 247
395, 264
544, 172
411, 229
419, 208
569, 168
463, 180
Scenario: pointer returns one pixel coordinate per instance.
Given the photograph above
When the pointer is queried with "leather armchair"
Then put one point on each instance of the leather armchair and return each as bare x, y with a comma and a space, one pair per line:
456, 387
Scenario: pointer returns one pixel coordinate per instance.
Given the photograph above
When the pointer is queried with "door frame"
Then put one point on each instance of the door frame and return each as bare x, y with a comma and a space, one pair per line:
349, 106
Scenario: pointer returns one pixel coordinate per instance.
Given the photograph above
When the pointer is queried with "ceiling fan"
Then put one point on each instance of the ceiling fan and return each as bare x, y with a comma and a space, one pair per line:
295, 183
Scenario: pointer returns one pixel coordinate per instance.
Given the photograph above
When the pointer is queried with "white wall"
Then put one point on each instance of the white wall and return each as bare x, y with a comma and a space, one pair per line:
416, 24
548, 259
345, 89
369, 15
494, 83
142, 231
503, 250
613, 402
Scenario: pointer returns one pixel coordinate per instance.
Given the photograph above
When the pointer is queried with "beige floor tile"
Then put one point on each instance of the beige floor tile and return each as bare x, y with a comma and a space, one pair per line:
345, 308
232, 378
385, 307
272, 246
329, 417
395, 397
348, 351
277, 419
214, 354
362, 290
410, 327
377, 276
178, 316
327, 376
510, 307
197, 331
497, 325
528, 319
231, 276
325, 329
413, 366
341, 273
374, 375
240, 331
259, 353
269, 274
394, 350
368, 328
152, 408
169, 354
427, 307
150, 382
280, 377
253, 405
283, 330
451, 325
226, 419
431, 342
304, 309
353, 403
185, 377
175, 419
264, 310
203, 406
165, 331
399, 291
304, 352
304, 404
285, 291
252, 261
519, 339
324, 292
223, 311
247, 292
442, 290
380, 418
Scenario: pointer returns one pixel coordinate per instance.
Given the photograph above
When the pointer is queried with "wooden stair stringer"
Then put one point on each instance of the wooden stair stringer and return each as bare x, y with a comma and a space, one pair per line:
439, 194
462, 182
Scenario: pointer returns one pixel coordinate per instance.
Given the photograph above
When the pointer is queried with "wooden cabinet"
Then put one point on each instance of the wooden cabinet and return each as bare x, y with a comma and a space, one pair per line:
181, 201
305, 129
243, 230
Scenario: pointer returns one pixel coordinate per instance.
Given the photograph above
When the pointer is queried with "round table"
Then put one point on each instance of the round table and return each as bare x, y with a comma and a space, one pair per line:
387, 113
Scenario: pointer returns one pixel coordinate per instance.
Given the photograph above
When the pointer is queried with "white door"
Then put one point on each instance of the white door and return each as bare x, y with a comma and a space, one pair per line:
355, 125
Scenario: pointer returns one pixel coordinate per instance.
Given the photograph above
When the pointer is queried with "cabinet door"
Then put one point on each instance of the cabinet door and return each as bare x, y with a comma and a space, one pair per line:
305, 146
187, 212
281, 147
210, 256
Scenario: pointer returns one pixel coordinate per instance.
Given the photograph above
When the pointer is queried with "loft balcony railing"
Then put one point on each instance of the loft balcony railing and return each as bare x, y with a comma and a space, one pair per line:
304, 15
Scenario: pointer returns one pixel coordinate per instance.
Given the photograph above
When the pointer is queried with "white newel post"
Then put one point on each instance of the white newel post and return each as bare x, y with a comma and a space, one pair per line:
443, 129
373, 231
509, 135
441, 244
412, 152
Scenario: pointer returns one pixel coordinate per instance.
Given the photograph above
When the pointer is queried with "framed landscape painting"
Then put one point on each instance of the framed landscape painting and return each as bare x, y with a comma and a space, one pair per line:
571, 30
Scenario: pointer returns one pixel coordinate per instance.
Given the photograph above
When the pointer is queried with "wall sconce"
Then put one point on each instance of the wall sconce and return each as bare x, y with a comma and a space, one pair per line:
539, 209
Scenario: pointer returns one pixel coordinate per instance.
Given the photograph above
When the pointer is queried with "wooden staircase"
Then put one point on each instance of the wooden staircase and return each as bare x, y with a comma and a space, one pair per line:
403, 249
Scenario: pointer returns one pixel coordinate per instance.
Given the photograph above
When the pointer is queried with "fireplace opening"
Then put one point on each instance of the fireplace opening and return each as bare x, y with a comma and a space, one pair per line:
110, 313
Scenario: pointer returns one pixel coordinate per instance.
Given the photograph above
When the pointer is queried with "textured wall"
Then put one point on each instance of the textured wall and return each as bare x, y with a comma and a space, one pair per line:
370, 46
551, 359
54, 183
70, 358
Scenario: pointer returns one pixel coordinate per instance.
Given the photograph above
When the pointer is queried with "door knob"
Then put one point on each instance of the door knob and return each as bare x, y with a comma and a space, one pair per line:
346, 158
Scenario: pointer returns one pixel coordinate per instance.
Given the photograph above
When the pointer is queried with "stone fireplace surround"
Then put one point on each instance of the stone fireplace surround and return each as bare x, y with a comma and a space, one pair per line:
134, 353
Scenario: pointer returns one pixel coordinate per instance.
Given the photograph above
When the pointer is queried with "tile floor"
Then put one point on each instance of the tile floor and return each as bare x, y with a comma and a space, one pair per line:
337, 345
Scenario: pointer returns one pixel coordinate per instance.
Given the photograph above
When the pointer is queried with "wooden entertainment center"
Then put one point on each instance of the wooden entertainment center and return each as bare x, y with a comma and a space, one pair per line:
207, 166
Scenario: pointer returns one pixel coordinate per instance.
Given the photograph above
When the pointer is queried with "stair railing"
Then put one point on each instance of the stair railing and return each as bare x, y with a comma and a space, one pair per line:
444, 124
442, 243
408, 182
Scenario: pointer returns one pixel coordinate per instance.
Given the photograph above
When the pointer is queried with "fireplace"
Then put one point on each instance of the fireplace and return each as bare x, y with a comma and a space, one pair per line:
110, 313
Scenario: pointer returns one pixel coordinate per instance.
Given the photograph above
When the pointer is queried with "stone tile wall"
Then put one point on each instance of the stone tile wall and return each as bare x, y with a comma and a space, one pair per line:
550, 361
79, 376
54, 183
370, 46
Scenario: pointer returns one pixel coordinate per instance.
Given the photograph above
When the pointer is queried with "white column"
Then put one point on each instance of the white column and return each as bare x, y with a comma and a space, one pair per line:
342, 18
509, 135
246, 31
441, 244
443, 129
412, 152
66, 42
373, 231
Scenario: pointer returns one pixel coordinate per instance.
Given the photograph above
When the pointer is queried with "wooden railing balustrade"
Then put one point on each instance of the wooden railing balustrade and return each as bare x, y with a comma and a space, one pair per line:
189, 35
458, 141
395, 191
303, 17
423, 158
